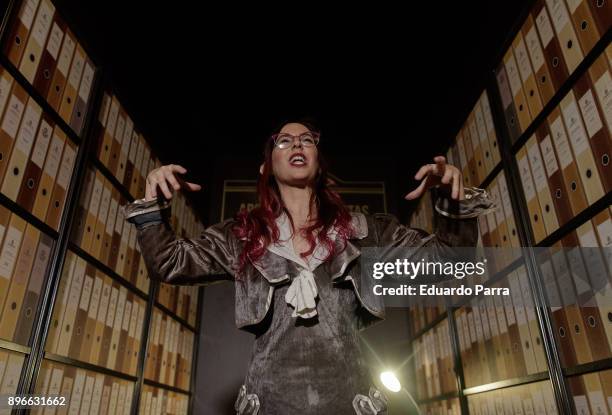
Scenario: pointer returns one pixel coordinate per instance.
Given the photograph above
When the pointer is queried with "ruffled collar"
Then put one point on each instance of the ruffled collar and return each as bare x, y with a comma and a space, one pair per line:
302, 292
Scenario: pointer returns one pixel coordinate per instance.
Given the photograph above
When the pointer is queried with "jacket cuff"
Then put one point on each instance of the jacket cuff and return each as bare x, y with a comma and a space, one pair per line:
477, 202
143, 212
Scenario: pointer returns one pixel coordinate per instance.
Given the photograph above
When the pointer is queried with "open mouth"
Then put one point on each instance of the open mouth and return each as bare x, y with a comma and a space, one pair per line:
297, 159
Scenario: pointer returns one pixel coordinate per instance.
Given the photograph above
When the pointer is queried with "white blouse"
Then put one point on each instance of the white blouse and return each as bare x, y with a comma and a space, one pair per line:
302, 292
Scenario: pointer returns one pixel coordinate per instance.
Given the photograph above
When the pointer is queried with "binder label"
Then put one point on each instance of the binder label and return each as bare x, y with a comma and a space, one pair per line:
590, 114
55, 40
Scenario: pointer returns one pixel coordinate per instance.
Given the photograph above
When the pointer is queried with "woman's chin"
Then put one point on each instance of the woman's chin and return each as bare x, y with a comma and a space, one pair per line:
298, 180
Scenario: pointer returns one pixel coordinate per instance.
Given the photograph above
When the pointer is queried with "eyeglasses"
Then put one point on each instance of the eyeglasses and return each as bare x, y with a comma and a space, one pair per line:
286, 140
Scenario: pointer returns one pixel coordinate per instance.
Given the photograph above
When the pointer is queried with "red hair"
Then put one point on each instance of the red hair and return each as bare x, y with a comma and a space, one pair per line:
257, 228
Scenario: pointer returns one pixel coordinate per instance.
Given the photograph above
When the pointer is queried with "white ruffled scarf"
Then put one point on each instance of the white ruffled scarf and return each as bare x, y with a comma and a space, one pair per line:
302, 292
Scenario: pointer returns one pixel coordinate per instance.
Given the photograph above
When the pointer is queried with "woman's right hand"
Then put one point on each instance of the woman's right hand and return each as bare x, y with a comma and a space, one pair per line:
165, 179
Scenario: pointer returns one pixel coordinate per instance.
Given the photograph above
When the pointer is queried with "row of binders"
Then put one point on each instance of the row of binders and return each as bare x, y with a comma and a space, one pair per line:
434, 362
422, 217
420, 315
553, 40
85, 391
24, 259
565, 166
475, 150
498, 229
157, 401
101, 230
592, 392
183, 218
121, 148
182, 300
579, 292
46, 52
534, 398
95, 319
170, 352
11, 364
499, 335
444, 407
36, 157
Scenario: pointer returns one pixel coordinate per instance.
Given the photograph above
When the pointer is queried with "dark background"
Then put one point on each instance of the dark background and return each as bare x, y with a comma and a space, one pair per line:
389, 85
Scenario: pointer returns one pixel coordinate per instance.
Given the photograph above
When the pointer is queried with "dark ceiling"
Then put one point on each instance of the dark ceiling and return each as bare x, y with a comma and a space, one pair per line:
381, 80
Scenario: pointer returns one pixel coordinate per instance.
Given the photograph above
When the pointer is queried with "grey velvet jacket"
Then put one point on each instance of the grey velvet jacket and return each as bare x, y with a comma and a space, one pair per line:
212, 256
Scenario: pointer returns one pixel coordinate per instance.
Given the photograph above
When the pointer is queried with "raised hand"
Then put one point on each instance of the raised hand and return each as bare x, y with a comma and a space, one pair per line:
166, 180
438, 174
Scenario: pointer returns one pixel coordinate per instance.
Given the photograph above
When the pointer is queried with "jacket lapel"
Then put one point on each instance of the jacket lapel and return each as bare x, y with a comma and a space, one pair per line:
273, 267
341, 261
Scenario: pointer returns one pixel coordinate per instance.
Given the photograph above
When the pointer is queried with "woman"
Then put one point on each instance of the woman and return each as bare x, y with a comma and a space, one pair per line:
294, 263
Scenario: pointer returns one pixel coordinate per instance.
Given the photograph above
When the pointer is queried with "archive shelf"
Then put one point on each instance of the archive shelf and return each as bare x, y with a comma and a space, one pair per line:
511, 144
80, 132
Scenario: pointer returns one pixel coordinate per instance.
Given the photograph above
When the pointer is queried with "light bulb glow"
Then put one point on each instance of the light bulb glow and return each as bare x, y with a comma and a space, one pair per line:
390, 381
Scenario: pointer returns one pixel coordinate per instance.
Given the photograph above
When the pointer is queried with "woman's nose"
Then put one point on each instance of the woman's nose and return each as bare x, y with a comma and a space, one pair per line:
297, 142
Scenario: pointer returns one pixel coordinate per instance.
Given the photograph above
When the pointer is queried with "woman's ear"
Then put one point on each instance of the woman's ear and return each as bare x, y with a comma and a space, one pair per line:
261, 168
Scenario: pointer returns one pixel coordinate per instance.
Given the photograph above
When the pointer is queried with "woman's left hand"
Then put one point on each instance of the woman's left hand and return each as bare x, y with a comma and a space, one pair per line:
438, 174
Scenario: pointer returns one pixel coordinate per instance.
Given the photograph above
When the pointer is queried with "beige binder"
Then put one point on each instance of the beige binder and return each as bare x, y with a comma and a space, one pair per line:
20, 31
72, 86
9, 254
533, 206
98, 337
102, 217
109, 132
581, 148
108, 325
60, 75
38, 38
547, 208
561, 21
60, 190
538, 61
19, 283
21, 150
569, 169
92, 318
74, 296
532, 94
92, 212
125, 148
61, 300
10, 123
516, 87
47, 181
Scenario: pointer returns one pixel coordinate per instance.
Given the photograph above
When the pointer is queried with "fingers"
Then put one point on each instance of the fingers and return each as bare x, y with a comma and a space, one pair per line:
436, 174
448, 175
418, 192
169, 176
167, 182
456, 184
163, 185
192, 187
150, 190
439, 168
177, 168
440, 160
425, 170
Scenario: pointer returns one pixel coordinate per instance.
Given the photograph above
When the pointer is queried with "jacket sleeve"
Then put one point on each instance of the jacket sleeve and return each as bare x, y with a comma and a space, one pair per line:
456, 225
204, 259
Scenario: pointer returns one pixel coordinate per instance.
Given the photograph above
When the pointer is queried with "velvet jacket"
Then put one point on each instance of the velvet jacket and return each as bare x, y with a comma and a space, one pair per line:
212, 256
